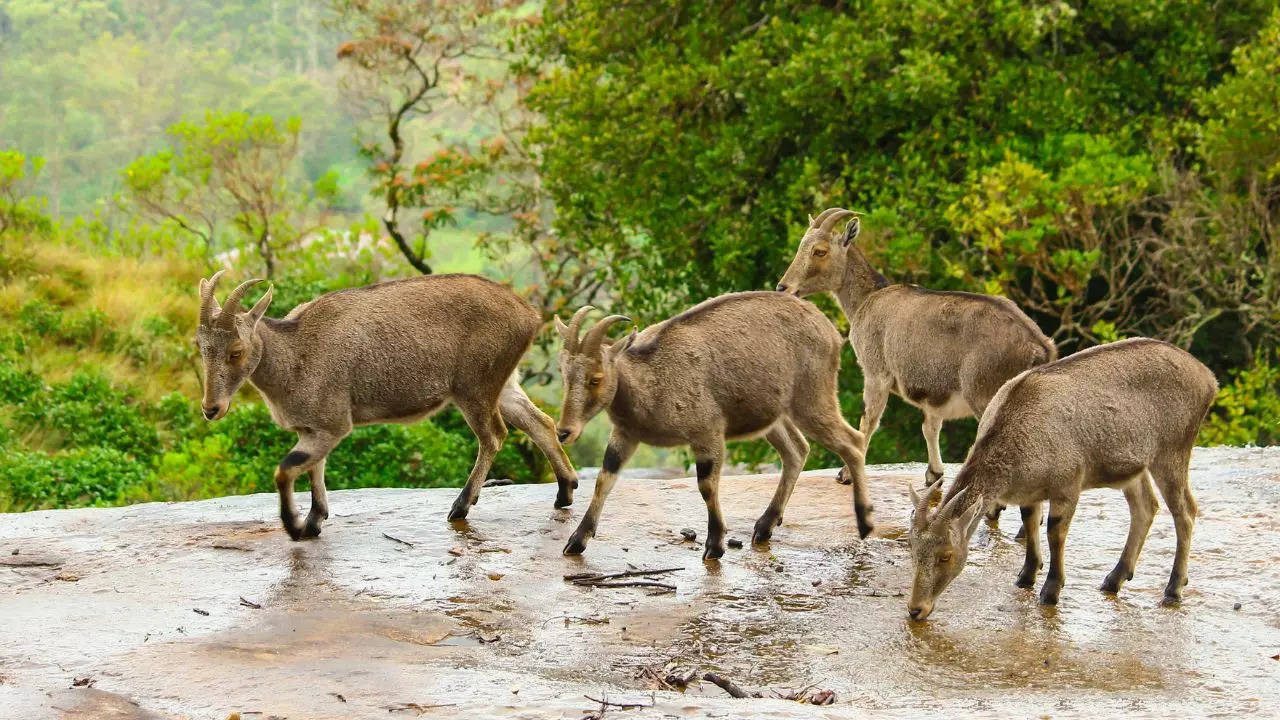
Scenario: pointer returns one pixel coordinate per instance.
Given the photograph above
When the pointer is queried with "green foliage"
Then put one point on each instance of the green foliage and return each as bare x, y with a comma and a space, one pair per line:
1015, 149
19, 212
88, 412
72, 478
1242, 133
1247, 411
87, 82
233, 169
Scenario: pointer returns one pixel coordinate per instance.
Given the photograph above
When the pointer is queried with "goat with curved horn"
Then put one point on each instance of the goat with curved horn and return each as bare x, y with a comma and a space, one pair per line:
340, 360
944, 352
775, 354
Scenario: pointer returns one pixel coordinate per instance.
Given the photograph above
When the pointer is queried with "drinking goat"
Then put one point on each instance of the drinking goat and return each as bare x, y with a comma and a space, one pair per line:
1122, 415
733, 367
392, 352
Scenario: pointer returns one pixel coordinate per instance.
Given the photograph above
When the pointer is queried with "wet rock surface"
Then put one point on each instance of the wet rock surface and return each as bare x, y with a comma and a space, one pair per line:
203, 609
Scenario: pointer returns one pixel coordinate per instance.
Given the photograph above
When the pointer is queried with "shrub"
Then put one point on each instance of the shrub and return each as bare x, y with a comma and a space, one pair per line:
91, 327
88, 412
1246, 411
40, 317
17, 384
88, 476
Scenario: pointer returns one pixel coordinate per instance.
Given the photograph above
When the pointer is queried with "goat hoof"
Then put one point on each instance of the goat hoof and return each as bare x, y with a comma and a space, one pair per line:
864, 529
843, 479
1026, 582
1022, 533
713, 552
311, 530
761, 535
1171, 600
563, 501
459, 511
930, 476
575, 546
1049, 595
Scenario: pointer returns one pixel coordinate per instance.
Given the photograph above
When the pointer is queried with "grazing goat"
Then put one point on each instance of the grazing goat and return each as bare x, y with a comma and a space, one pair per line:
733, 367
947, 353
1120, 415
392, 352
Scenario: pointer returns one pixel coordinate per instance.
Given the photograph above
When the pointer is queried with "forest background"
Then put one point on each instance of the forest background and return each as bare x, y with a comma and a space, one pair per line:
1113, 167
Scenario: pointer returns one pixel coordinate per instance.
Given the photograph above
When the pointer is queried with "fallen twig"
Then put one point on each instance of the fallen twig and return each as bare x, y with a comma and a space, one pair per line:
726, 685
419, 709
249, 603
396, 539
198, 611
633, 583
621, 706
595, 577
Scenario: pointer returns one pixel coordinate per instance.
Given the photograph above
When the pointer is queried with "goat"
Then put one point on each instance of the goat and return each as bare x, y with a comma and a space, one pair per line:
1122, 415
733, 367
391, 352
944, 352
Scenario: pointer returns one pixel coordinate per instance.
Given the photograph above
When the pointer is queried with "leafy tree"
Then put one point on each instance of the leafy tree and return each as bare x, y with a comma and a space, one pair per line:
19, 211
232, 168
406, 60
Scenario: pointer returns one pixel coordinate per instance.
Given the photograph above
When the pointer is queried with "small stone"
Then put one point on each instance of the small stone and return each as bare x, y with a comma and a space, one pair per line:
1236, 606
455, 551
495, 576
778, 568
735, 543
689, 534
816, 583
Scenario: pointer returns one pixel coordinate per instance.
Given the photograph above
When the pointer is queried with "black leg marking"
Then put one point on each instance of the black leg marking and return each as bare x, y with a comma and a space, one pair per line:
612, 460
704, 469
294, 459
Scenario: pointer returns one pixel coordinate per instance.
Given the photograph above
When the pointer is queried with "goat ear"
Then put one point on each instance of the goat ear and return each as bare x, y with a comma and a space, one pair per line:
969, 520
260, 308
617, 348
851, 232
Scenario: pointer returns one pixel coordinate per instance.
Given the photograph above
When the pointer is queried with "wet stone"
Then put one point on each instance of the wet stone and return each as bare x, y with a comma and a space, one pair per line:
293, 625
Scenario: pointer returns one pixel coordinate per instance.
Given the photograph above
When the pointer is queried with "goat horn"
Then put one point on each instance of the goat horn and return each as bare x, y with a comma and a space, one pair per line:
595, 336
837, 214
208, 303
953, 504
232, 306
570, 333
815, 221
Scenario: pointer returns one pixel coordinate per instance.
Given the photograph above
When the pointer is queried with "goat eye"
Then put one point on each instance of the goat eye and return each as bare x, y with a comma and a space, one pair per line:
944, 558
595, 380
235, 354
819, 253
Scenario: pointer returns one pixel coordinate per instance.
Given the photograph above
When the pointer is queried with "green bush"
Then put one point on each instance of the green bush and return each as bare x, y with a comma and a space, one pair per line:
88, 412
17, 384
40, 317
1247, 411
90, 328
75, 478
